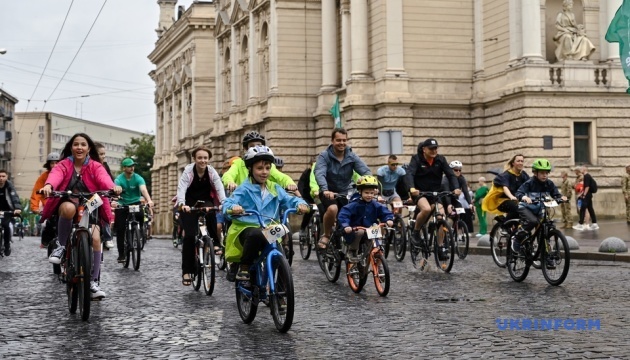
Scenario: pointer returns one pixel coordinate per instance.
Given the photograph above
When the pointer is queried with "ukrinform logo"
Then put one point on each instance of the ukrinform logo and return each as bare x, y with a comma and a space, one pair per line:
548, 324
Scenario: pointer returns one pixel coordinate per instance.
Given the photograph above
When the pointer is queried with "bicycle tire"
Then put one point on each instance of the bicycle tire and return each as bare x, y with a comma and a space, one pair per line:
462, 239
72, 288
247, 307
127, 248
305, 242
498, 244
85, 258
556, 250
283, 296
137, 245
356, 276
287, 245
380, 270
197, 277
400, 238
144, 235
447, 244
517, 264
387, 242
209, 266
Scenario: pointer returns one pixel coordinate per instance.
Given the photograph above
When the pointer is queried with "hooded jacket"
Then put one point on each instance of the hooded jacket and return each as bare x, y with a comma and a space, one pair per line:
217, 194
13, 199
334, 175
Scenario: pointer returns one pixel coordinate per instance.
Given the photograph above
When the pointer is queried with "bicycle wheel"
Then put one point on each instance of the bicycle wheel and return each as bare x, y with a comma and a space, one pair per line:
137, 245
380, 270
388, 239
72, 288
517, 264
420, 252
556, 258
144, 236
287, 244
461, 238
305, 242
209, 265
400, 238
128, 248
282, 301
198, 275
247, 308
499, 238
84, 273
444, 254
356, 276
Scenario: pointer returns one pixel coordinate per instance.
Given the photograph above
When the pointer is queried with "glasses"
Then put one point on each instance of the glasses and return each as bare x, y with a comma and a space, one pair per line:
394, 164
457, 170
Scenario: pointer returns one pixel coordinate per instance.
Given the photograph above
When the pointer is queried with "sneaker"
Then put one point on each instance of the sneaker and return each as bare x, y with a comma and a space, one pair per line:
516, 245
121, 258
109, 244
231, 273
96, 292
415, 238
352, 256
579, 227
57, 255
593, 226
7, 251
550, 263
243, 273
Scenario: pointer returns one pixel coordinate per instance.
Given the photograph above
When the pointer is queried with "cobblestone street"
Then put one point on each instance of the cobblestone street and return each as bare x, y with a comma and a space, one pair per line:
149, 314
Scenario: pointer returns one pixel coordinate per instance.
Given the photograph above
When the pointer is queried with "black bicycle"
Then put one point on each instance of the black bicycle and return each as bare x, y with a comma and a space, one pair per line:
547, 244
77, 264
205, 258
500, 235
460, 233
435, 236
313, 231
4, 214
133, 236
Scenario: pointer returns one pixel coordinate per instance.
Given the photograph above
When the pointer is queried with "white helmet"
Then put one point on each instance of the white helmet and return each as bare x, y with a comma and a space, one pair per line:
456, 164
53, 156
257, 153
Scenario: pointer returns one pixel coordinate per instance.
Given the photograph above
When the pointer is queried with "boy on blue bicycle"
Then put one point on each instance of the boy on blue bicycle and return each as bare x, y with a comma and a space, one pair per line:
363, 211
537, 186
245, 239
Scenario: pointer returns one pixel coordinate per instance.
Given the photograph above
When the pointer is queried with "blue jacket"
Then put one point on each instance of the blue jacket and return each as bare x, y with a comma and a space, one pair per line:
334, 175
535, 188
361, 213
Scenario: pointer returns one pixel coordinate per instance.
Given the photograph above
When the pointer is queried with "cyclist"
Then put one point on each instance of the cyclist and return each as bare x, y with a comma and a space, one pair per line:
304, 187
107, 228
38, 200
501, 197
333, 173
101, 155
388, 176
148, 217
78, 171
245, 238
464, 199
363, 211
238, 171
199, 182
134, 187
9, 201
177, 222
537, 186
425, 173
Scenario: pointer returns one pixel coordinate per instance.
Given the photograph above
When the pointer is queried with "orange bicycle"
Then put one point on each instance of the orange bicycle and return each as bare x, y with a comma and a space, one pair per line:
371, 259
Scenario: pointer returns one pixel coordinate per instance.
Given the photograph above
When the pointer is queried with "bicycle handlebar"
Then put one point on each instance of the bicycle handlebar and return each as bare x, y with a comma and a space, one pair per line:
80, 195
260, 216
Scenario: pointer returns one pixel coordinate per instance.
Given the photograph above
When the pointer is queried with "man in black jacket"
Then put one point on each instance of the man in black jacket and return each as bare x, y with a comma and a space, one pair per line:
9, 201
425, 174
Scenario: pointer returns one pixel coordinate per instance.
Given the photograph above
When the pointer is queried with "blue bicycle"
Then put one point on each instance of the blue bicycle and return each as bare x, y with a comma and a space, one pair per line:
271, 282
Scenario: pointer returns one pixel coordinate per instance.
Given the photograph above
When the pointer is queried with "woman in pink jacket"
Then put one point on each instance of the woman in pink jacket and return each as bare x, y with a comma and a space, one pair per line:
79, 170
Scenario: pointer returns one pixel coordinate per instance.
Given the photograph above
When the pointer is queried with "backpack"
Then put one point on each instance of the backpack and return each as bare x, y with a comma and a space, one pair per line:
593, 187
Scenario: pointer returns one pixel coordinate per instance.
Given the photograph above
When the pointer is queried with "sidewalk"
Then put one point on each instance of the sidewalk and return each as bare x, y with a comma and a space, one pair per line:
589, 241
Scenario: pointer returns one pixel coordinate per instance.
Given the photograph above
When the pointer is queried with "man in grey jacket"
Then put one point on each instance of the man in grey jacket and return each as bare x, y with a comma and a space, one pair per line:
9, 201
333, 172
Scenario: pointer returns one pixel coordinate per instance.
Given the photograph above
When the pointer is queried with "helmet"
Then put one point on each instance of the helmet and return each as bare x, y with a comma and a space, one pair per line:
279, 162
53, 156
455, 164
367, 182
541, 164
253, 136
257, 153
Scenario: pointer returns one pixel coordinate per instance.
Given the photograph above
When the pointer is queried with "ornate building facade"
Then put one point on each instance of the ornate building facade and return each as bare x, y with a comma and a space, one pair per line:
481, 76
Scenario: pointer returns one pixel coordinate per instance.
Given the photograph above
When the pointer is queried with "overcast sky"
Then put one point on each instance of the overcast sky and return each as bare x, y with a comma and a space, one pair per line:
108, 81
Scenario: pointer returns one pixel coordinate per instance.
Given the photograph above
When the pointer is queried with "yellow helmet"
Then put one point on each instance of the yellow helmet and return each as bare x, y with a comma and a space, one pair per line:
367, 182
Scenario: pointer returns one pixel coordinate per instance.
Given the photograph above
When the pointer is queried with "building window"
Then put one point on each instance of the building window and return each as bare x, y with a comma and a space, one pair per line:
582, 142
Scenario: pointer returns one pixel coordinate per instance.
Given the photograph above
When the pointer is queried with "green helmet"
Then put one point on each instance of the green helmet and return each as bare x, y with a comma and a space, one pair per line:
541, 164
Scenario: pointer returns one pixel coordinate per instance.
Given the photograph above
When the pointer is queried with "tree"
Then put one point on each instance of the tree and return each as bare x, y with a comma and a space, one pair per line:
142, 150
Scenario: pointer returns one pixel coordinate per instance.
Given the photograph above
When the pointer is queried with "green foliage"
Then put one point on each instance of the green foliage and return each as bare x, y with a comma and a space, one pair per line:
142, 150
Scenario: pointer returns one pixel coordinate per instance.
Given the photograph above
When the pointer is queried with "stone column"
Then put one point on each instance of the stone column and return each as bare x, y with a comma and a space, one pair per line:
478, 35
516, 48
273, 46
346, 55
530, 18
253, 46
329, 46
234, 55
612, 50
395, 48
359, 23
218, 69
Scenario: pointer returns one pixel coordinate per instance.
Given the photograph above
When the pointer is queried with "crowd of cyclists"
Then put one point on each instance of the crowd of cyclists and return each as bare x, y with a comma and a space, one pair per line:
337, 181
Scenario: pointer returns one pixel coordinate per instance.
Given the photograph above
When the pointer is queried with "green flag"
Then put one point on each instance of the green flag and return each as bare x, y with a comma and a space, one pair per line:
619, 32
335, 111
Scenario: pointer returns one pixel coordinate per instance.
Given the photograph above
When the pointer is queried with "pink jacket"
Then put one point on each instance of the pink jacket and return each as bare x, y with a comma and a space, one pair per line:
94, 176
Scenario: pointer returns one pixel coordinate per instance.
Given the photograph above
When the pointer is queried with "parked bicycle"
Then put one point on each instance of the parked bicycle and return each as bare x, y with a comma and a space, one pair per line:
205, 258
77, 264
271, 280
547, 244
371, 260
313, 232
435, 236
133, 236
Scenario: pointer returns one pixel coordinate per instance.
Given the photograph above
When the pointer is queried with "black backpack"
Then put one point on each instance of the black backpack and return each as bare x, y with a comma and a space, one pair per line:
593, 187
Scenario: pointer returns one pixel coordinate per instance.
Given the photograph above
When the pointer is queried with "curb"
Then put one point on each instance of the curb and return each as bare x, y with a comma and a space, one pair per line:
577, 255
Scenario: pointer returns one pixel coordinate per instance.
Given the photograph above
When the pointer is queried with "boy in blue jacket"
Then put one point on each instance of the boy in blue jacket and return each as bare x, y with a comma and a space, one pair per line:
364, 212
537, 186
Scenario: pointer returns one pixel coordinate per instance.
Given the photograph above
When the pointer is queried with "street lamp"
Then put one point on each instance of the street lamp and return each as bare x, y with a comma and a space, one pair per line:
3, 51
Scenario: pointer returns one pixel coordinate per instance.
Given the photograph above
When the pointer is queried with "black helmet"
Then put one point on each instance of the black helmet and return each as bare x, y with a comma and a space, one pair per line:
257, 153
253, 136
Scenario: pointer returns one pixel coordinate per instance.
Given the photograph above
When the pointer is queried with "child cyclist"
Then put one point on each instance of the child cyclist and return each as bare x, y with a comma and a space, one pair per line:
245, 238
363, 211
537, 186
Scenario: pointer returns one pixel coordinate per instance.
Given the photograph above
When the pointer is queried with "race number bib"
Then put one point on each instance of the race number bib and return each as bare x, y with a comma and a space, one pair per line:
94, 203
397, 204
204, 230
551, 203
373, 232
460, 210
412, 208
274, 232
134, 208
